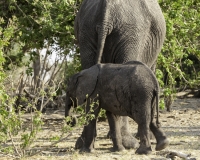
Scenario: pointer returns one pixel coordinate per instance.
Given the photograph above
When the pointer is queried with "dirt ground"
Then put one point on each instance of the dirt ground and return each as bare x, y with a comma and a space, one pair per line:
181, 125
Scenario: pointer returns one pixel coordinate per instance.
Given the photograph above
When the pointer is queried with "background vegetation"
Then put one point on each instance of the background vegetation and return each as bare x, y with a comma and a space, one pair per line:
38, 52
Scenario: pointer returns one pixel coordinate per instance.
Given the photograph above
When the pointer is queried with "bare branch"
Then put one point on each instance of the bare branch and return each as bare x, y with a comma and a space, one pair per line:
177, 69
16, 150
28, 94
44, 63
59, 68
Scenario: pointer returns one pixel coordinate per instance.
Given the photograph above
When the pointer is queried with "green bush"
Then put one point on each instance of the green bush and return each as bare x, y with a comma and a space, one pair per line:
178, 65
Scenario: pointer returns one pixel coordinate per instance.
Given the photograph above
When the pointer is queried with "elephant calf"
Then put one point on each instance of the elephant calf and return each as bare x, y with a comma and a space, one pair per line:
129, 89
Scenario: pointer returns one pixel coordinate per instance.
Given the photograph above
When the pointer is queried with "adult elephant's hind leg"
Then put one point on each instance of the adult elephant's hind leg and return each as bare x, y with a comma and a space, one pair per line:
128, 140
162, 141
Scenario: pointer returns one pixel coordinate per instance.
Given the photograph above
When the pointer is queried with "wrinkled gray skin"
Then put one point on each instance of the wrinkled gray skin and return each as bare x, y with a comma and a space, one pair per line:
117, 31
123, 90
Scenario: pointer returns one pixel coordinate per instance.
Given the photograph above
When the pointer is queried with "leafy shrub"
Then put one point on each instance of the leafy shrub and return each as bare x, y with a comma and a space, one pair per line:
178, 64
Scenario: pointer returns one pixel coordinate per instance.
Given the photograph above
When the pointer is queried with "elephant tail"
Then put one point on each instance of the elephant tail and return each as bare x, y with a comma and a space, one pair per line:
101, 42
157, 108
103, 28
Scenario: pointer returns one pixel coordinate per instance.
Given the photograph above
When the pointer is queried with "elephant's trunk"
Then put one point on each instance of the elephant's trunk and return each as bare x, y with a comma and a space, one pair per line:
68, 108
68, 105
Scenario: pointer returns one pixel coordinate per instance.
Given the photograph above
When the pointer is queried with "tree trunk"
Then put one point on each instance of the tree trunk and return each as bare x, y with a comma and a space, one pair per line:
36, 69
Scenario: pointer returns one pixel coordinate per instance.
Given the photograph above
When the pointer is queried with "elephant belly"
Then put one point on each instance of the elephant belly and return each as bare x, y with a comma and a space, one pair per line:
114, 107
118, 110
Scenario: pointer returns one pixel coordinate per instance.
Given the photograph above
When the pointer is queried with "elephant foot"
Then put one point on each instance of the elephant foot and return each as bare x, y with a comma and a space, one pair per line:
117, 149
143, 150
129, 141
162, 144
87, 150
79, 143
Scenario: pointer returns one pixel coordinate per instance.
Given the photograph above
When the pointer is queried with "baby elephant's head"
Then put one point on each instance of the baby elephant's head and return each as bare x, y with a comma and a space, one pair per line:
82, 85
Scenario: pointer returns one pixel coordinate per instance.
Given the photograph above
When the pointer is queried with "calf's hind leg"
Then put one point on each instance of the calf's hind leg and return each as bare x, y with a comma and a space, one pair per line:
145, 144
142, 117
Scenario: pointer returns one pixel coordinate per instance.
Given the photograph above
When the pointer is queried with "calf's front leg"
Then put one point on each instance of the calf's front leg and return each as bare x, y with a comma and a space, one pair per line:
86, 141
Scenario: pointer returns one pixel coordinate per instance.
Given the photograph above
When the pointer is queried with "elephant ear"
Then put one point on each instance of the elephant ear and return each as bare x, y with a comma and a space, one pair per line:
86, 83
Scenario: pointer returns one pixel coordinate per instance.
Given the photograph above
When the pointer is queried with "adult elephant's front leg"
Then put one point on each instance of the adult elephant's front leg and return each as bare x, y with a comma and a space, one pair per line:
115, 132
86, 141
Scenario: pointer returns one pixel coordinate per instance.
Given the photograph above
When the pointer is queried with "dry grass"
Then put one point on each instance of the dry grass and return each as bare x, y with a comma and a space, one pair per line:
182, 126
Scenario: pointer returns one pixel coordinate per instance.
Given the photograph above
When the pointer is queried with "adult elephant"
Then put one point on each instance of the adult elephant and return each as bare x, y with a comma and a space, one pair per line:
117, 31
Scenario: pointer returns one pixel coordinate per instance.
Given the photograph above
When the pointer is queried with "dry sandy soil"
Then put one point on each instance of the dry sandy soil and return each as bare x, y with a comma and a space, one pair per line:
182, 126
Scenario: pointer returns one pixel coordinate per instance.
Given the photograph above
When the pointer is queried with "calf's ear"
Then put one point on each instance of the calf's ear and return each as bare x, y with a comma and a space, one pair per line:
86, 83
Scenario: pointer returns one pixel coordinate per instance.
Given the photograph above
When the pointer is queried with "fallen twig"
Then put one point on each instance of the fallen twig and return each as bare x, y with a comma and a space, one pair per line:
51, 145
174, 154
